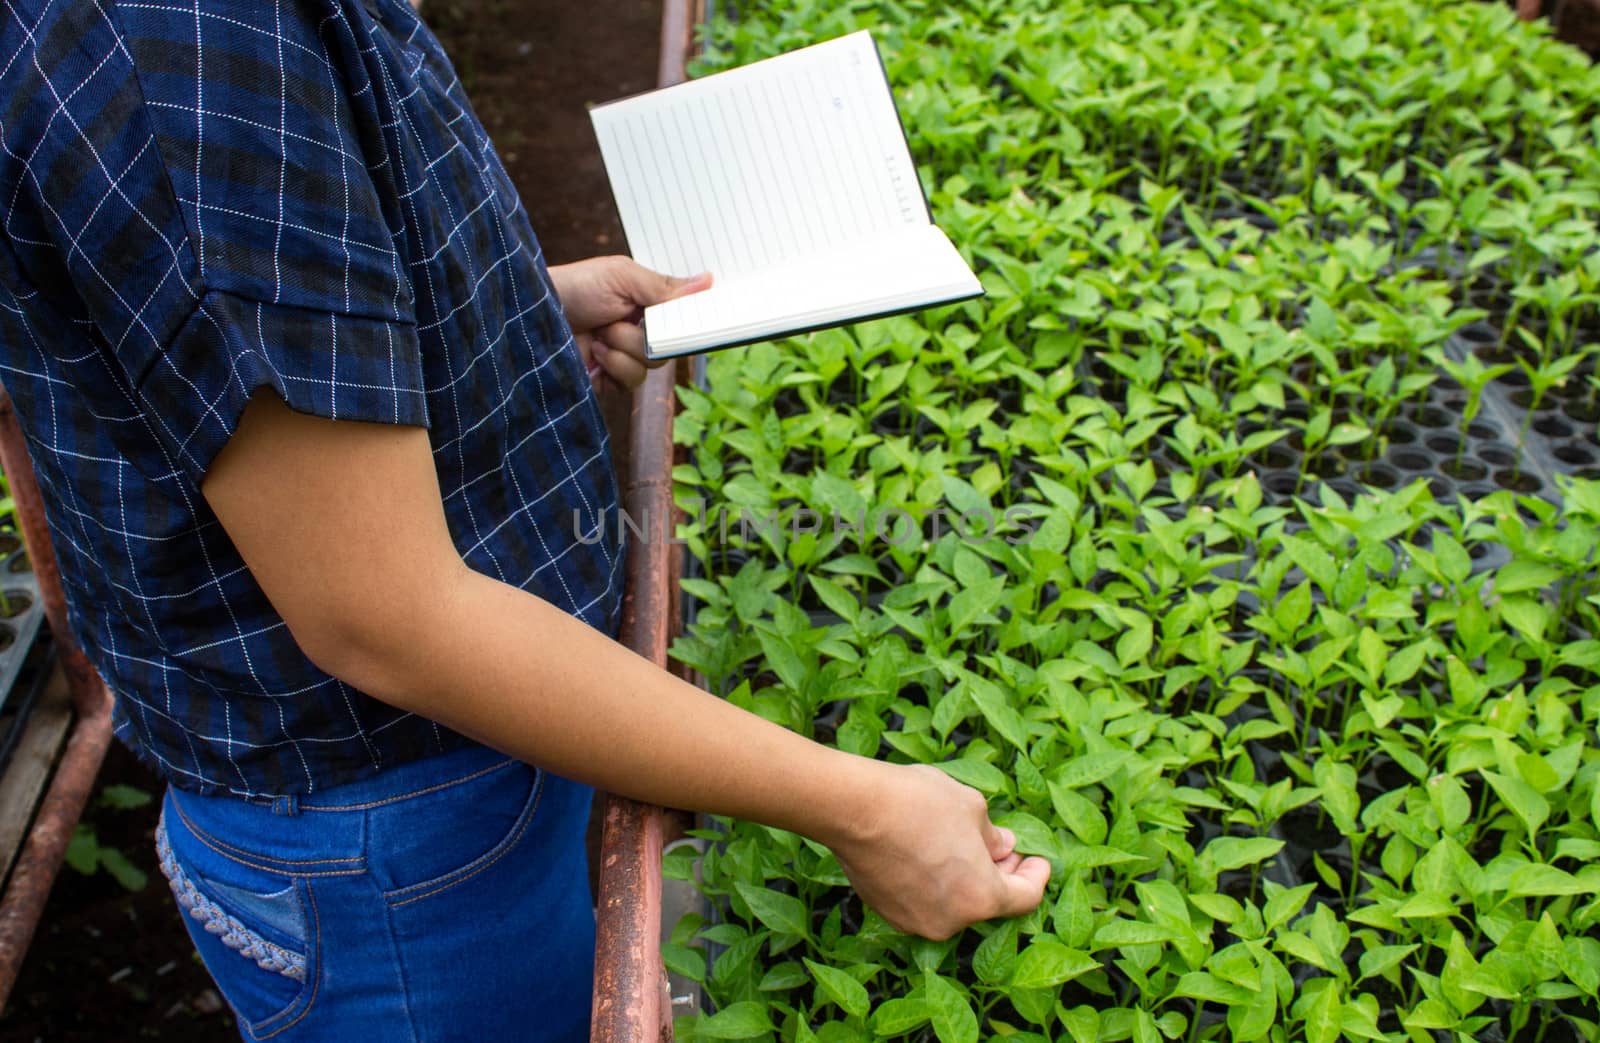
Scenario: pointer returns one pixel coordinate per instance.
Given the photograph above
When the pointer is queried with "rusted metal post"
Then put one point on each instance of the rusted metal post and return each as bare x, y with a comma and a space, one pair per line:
631, 1004
35, 869
629, 978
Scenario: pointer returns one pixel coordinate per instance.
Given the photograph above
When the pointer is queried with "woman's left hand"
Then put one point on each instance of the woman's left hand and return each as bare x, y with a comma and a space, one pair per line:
605, 299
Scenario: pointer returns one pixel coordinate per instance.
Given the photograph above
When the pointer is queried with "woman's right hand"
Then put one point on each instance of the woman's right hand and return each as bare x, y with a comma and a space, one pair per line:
925, 856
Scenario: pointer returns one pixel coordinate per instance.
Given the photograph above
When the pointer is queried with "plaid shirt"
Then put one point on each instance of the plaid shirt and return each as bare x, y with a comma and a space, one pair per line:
202, 198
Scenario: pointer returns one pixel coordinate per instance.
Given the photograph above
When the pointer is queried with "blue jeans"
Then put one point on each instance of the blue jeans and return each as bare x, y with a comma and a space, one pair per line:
445, 899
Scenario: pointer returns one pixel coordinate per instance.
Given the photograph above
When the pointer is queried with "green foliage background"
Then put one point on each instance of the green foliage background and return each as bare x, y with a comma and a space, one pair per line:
1311, 761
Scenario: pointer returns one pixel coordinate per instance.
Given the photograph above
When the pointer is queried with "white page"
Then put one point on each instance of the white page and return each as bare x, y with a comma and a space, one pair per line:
887, 273
759, 166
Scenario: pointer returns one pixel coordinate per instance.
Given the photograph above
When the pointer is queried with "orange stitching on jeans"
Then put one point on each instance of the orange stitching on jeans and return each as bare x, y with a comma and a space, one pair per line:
223, 847
505, 848
407, 796
233, 855
314, 941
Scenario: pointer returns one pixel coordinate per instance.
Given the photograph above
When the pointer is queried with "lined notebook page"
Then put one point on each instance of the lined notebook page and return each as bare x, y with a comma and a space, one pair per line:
908, 267
760, 166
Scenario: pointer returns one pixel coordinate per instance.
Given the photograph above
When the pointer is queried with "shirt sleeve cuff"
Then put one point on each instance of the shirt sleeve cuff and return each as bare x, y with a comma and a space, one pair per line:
340, 367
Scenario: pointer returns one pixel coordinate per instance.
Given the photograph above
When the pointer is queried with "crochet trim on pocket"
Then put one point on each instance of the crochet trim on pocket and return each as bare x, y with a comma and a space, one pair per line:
216, 920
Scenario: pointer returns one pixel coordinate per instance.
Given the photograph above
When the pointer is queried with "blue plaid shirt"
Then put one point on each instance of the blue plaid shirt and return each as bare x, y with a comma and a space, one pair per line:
203, 198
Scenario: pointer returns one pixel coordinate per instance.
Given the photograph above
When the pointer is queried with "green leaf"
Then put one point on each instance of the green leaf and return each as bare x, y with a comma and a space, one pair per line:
1316, 562
1237, 852
1427, 905
1523, 800
1429, 1014
783, 659
980, 775
952, 1016
1359, 1018
1537, 879
839, 601
1305, 950
1371, 651
1144, 1027
1033, 836
1082, 1024
1520, 574
1348, 434
961, 495
1090, 768
898, 1016
841, 988
780, 977
1072, 916
1454, 561
1201, 985
1544, 948
997, 711
1450, 801
1253, 1020
1528, 615
1580, 962
1283, 904
1459, 965
690, 962
1220, 907
995, 955
1131, 932
744, 1020
123, 797
1380, 958
783, 913
838, 496
1134, 644
1079, 813
1322, 1013
1404, 664
123, 871
1046, 963
83, 852
972, 602
1337, 780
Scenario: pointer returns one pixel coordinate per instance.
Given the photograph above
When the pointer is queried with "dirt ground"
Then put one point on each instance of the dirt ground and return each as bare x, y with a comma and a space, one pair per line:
107, 965
1577, 22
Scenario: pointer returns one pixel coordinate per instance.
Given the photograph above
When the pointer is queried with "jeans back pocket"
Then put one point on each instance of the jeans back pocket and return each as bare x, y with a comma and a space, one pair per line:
254, 930
426, 842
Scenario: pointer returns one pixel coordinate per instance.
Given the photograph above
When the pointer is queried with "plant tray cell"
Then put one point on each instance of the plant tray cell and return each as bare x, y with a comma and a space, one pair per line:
1559, 433
21, 609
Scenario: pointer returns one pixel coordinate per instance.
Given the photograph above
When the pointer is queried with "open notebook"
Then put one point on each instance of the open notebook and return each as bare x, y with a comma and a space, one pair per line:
791, 182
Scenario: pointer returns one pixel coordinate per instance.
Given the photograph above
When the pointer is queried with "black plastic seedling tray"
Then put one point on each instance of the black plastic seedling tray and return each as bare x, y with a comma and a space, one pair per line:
21, 611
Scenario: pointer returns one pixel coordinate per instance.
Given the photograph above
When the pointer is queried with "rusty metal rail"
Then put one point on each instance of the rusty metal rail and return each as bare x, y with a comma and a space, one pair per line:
631, 1004
35, 869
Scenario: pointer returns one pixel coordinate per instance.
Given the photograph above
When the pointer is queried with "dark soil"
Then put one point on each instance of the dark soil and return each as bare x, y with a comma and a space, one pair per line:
1577, 22
109, 965
532, 68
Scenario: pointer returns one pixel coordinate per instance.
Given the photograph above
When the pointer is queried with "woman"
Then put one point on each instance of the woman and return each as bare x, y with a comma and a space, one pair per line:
329, 487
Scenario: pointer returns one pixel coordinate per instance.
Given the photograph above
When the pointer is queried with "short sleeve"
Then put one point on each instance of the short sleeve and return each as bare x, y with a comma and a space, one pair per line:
276, 160
329, 365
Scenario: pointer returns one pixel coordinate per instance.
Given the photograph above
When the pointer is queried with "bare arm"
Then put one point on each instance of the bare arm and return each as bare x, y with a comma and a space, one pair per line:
341, 523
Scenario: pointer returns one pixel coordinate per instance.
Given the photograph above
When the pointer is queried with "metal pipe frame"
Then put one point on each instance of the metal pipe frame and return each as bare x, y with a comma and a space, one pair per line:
631, 1001
34, 873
